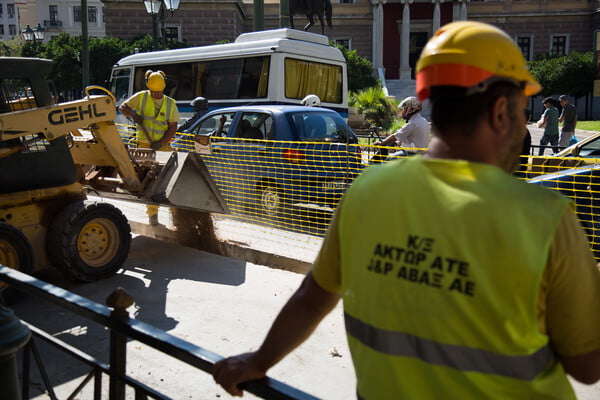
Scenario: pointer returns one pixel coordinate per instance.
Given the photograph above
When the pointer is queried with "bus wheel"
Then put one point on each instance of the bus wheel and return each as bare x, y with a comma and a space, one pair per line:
15, 253
89, 241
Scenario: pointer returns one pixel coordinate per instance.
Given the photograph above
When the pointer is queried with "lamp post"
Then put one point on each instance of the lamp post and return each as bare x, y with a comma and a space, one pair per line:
156, 8
34, 35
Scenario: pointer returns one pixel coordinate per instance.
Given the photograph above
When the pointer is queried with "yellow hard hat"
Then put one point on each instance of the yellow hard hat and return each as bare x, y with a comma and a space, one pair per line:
155, 80
467, 53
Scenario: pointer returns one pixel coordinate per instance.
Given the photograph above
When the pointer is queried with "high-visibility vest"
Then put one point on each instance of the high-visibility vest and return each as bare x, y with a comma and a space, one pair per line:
440, 292
156, 124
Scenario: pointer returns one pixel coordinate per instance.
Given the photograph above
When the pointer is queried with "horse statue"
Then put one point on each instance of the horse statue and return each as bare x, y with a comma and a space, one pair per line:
319, 8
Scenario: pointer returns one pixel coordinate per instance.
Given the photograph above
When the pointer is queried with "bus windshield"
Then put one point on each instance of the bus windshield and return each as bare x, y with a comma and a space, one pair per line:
120, 84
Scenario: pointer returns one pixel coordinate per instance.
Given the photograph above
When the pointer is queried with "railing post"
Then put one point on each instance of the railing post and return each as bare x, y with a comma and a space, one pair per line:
13, 336
118, 300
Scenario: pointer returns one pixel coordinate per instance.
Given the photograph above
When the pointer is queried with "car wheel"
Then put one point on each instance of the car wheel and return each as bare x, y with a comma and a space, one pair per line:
271, 200
15, 253
89, 241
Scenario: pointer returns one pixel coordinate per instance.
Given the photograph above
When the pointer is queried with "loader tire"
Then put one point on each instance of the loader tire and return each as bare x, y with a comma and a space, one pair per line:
89, 241
15, 253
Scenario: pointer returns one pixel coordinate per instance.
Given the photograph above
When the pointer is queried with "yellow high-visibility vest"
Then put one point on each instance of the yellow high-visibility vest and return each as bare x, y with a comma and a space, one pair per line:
156, 124
440, 293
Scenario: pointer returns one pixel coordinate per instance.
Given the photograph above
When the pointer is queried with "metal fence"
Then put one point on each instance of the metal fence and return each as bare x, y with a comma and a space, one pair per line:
295, 186
121, 329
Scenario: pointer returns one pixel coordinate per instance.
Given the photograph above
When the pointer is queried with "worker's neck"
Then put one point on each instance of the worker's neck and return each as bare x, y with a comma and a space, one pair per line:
459, 147
156, 95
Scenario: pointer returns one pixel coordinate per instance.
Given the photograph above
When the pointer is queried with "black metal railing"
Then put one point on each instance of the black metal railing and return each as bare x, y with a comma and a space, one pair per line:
53, 23
121, 328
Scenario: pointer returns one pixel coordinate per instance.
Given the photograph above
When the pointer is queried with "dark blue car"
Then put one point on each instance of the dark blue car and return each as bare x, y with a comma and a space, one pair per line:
582, 185
269, 160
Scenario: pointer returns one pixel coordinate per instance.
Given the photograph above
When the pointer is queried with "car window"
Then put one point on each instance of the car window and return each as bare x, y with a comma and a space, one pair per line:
319, 126
254, 125
591, 148
212, 125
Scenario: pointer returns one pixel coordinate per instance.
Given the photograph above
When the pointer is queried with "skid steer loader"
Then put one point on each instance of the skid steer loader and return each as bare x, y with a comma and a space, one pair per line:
52, 155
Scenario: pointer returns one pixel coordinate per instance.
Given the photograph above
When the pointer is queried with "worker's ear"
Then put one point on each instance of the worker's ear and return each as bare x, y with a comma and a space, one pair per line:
499, 116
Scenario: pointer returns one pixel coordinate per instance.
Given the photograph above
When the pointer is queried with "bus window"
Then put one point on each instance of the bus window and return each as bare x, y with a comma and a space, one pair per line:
233, 78
304, 77
254, 78
120, 84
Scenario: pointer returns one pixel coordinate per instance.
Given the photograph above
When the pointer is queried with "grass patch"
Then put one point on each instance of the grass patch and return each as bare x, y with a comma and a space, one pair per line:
588, 125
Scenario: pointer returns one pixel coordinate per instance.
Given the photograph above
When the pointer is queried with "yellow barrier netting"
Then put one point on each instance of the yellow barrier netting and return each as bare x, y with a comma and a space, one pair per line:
284, 193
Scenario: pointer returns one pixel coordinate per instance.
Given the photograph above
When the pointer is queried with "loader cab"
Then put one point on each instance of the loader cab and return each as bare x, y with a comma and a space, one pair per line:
29, 162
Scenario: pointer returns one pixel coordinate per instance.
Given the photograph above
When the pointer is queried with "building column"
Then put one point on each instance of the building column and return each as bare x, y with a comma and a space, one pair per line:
460, 14
377, 41
405, 40
435, 25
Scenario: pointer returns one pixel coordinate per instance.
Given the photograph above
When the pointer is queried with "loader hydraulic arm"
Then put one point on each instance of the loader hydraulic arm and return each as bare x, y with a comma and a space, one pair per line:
57, 120
89, 121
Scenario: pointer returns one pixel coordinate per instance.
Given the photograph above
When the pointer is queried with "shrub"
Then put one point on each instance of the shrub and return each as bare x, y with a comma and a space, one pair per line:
378, 109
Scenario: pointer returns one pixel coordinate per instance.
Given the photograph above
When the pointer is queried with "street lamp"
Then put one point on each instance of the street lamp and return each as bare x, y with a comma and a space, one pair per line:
34, 35
156, 9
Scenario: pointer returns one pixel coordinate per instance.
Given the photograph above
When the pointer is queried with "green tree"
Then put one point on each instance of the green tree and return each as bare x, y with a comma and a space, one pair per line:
65, 51
11, 48
105, 52
572, 74
143, 43
360, 70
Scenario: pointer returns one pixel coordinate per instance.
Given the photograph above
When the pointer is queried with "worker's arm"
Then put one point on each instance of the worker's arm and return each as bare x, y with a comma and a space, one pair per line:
125, 110
129, 113
572, 304
294, 324
585, 368
171, 131
542, 122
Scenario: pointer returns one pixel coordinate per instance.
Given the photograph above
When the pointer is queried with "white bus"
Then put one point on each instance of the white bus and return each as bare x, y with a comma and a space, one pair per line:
279, 66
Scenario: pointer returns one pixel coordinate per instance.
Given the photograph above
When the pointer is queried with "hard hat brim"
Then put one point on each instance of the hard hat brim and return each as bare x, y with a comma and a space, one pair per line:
463, 76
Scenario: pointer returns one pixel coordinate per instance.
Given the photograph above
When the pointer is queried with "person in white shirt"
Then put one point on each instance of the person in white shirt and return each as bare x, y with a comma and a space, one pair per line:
416, 134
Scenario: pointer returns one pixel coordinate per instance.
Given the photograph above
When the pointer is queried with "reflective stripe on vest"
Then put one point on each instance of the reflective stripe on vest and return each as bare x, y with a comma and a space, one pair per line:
458, 357
156, 126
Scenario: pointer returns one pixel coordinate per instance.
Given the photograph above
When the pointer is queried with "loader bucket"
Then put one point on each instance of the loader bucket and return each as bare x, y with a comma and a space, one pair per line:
185, 182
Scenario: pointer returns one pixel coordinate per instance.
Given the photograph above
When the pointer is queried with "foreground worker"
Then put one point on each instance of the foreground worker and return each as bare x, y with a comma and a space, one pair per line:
467, 283
156, 116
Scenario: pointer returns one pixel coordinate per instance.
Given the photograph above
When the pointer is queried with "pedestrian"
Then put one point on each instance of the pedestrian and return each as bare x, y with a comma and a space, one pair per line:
568, 118
416, 133
156, 116
200, 108
463, 282
549, 121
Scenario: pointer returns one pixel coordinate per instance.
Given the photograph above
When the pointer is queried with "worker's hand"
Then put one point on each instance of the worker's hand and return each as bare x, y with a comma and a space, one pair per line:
156, 145
137, 118
126, 110
232, 371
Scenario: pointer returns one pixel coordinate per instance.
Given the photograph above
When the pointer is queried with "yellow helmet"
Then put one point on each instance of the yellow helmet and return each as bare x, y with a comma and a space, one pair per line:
155, 80
467, 53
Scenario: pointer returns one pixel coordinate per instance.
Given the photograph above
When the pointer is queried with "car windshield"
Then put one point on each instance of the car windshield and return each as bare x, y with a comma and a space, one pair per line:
318, 126
590, 148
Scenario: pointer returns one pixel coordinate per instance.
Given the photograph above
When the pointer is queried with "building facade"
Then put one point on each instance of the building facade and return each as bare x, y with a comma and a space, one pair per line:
9, 20
57, 16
